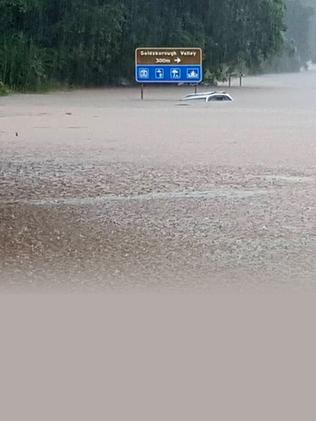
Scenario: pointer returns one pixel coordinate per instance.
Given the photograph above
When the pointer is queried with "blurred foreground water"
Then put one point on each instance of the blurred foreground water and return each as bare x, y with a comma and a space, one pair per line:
100, 191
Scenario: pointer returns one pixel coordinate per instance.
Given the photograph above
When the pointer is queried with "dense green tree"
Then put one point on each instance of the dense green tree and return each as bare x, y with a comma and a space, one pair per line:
299, 43
92, 42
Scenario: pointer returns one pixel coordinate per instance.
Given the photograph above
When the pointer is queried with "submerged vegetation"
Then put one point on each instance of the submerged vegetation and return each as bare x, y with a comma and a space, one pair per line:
91, 42
4, 90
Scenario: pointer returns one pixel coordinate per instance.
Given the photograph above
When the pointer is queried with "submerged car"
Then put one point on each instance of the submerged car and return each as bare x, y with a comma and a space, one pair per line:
208, 96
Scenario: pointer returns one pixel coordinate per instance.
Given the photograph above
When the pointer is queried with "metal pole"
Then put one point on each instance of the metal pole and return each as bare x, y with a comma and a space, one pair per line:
142, 91
195, 89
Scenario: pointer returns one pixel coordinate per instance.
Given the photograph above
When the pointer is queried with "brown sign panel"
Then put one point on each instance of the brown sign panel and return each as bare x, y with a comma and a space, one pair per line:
168, 56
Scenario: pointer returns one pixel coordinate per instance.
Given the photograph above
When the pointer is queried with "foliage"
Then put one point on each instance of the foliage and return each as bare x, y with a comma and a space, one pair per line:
298, 46
4, 90
92, 42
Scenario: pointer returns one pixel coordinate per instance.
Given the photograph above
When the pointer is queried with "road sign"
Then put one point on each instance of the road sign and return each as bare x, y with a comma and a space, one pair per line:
168, 65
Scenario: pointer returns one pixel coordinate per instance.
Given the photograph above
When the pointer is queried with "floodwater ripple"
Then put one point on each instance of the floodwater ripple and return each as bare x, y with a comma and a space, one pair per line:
87, 201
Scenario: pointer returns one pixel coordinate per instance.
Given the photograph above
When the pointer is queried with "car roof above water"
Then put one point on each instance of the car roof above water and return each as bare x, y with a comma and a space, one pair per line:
199, 94
208, 96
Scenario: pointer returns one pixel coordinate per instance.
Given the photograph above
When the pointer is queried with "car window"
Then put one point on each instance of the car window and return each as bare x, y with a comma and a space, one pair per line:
219, 98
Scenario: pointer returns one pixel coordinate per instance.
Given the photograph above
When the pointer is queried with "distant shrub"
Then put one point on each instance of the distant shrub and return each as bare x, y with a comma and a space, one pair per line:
3, 89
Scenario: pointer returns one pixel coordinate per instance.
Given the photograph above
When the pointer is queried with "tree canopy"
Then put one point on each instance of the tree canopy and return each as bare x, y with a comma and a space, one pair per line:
299, 46
92, 42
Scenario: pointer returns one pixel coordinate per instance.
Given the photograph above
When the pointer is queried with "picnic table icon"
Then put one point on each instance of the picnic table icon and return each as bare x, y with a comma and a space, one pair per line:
193, 74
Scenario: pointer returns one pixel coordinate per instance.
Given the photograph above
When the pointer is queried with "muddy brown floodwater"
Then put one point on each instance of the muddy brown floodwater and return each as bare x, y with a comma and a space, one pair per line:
100, 191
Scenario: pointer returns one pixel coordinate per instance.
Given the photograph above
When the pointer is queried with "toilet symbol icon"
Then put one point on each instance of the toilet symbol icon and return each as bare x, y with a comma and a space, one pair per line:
143, 73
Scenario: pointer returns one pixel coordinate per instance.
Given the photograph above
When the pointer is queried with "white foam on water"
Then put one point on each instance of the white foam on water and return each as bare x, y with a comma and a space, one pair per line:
89, 201
288, 178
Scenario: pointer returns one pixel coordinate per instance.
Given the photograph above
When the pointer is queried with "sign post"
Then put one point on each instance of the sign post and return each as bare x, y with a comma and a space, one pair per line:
168, 65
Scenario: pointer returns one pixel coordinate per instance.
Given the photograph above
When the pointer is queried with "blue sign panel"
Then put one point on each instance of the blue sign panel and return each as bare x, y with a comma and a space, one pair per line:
168, 74
168, 65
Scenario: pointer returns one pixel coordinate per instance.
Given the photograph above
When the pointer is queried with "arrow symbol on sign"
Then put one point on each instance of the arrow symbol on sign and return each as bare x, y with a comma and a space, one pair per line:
177, 60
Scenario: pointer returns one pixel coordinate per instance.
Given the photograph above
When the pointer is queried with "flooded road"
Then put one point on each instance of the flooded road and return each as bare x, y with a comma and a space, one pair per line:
100, 191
